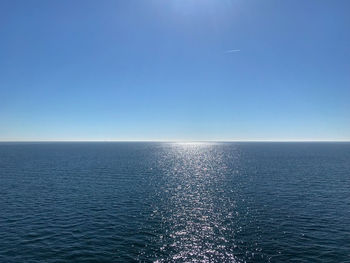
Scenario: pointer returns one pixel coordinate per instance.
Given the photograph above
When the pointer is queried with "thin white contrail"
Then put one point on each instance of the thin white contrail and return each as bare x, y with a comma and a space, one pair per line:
232, 50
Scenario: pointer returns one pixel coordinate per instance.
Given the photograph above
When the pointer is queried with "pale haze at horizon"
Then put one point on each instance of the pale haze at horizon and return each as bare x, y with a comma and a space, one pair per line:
174, 70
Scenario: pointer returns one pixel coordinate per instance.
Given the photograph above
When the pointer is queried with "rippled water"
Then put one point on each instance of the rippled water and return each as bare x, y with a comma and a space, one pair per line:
172, 202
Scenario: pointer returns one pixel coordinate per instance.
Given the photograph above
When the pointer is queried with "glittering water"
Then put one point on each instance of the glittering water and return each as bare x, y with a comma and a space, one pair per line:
172, 202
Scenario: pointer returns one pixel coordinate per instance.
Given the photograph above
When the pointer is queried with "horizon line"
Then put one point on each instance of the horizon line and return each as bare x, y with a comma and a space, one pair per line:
174, 141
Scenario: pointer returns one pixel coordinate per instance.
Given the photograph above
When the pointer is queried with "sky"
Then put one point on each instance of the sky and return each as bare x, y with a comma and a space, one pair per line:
174, 70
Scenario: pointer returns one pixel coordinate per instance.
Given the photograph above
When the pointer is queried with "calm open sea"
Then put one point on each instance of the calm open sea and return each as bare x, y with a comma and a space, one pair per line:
173, 202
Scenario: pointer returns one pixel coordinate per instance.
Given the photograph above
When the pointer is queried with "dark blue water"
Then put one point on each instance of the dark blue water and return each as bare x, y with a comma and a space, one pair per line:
168, 202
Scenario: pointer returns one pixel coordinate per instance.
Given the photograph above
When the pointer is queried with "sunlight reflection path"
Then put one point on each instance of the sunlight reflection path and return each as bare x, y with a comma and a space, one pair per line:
193, 208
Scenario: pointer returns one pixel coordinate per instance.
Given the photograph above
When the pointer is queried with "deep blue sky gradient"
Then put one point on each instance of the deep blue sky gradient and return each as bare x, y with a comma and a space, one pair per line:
162, 70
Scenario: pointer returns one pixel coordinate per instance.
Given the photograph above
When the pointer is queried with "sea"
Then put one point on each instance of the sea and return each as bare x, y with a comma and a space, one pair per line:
174, 202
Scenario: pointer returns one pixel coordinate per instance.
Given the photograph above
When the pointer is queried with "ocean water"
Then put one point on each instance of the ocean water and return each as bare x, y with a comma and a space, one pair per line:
173, 202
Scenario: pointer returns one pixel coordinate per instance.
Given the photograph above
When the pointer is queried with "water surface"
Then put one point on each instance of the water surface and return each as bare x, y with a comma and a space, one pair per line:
173, 202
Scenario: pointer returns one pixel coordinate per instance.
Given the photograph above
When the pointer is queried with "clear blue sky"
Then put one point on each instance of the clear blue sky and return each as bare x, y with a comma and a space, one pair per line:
175, 70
